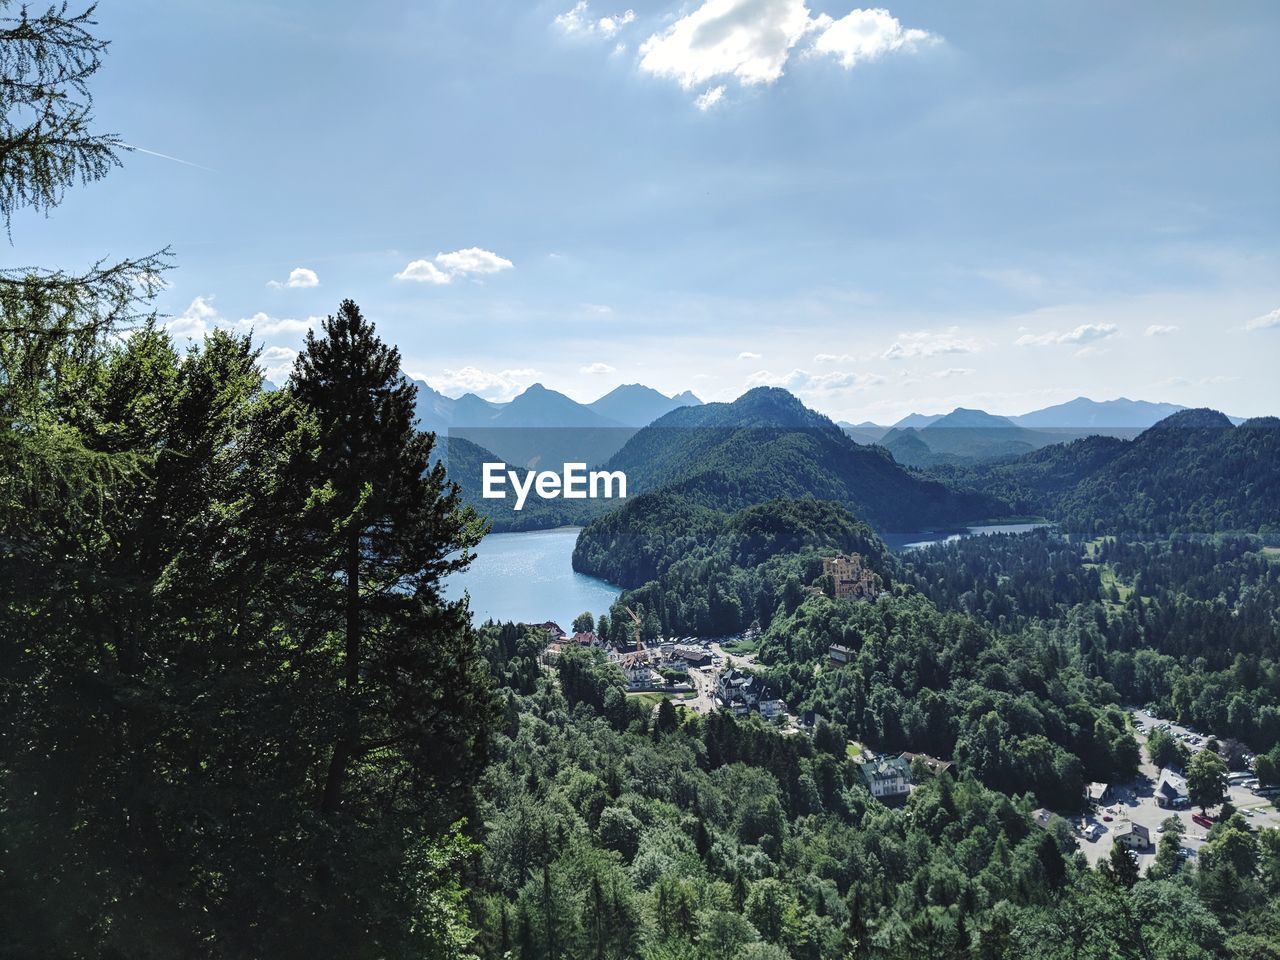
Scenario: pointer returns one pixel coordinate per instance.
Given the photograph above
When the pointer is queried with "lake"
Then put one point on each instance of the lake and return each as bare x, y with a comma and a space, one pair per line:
529, 577
912, 541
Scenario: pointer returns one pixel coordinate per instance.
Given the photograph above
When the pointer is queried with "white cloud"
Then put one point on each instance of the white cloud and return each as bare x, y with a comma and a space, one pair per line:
1160, 330
752, 41
748, 355
596, 368
832, 358
277, 363
709, 99
863, 35
930, 343
1083, 334
1265, 322
298, 277
423, 271
492, 385
953, 372
460, 263
802, 381
196, 320
579, 22
472, 260
267, 326
747, 39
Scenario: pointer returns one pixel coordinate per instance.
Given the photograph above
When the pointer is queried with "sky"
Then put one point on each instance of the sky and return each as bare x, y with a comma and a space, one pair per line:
996, 205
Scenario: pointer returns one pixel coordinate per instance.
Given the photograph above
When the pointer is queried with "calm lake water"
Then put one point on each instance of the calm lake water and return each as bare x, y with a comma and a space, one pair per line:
911, 541
529, 577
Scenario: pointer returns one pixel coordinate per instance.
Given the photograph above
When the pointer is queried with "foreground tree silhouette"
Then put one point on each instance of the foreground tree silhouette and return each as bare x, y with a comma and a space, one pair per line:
406, 727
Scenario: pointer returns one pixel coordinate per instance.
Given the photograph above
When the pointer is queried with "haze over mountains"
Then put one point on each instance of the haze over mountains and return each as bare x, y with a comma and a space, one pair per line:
632, 405
965, 435
1078, 414
542, 426
767, 444
637, 405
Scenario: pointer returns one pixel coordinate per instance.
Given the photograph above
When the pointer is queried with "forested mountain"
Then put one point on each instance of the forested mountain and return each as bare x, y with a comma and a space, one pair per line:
641, 541
767, 444
1192, 472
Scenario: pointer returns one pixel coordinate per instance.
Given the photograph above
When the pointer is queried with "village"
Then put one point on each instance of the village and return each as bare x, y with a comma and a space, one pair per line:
706, 675
702, 673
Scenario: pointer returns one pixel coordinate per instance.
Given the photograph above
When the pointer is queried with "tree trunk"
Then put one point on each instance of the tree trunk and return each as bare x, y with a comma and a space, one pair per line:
345, 747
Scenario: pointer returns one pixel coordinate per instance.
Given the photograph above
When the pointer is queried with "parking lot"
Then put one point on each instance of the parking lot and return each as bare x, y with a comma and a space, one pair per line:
1135, 802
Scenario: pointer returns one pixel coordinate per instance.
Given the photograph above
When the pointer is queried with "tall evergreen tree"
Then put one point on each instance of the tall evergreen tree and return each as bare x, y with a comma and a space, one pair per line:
404, 734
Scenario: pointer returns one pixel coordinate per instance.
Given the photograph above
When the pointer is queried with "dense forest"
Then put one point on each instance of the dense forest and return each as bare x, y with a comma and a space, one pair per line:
617, 832
1193, 472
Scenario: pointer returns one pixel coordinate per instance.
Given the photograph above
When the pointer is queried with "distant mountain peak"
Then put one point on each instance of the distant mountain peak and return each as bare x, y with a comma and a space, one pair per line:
1082, 413
636, 405
916, 420
967, 418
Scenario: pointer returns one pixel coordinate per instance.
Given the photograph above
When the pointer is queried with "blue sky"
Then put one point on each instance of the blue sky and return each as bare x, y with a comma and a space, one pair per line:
1002, 205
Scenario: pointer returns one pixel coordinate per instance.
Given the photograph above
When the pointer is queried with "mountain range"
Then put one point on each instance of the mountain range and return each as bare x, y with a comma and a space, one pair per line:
1196, 471
766, 445
966, 435
542, 426
631, 405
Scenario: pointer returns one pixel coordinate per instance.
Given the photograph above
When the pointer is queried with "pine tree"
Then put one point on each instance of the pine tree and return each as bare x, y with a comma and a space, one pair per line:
1121, 866
665, 721
382, 527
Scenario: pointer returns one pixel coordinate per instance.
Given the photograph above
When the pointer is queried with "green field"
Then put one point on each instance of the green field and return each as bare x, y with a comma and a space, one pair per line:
741, 648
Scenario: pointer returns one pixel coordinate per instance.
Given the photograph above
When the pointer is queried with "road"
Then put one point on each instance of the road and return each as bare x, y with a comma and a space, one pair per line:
1135, 801
704, 682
